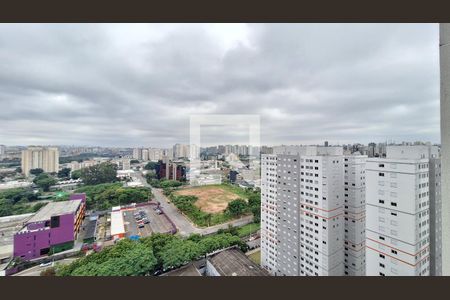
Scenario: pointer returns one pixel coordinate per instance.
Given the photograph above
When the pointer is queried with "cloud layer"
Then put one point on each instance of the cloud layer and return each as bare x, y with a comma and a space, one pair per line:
131, 85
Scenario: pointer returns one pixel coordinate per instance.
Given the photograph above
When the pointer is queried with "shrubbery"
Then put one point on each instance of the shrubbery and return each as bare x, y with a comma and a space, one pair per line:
235, 208
18, 201
104, 196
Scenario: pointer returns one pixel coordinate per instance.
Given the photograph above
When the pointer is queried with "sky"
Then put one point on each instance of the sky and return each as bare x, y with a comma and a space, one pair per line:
131, 85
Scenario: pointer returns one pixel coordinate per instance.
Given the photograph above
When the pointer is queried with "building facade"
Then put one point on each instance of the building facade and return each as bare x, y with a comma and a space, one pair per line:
308, 208
45, 158
54, 228
435, 217
354, 215
269, 213
398, 212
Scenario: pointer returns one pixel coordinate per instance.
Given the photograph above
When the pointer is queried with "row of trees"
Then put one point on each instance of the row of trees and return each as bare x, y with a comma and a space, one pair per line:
106, 195
158, 252
18, 201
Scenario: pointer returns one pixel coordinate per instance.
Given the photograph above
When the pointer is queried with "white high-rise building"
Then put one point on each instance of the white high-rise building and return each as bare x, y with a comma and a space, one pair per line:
43, 158
354, 214
269, 212
126, 164
435, 217
137, 153
307, 200
181, 151
155, 154
398, 212
145, 155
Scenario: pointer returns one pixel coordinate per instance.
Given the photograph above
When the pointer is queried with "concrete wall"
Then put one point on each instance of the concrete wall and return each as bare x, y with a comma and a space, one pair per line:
444, 47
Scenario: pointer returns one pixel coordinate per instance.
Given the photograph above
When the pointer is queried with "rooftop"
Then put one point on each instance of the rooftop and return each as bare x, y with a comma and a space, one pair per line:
90, 228
55, 209
233, 262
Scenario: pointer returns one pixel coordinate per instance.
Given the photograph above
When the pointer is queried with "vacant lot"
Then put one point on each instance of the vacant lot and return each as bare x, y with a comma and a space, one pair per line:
212, 198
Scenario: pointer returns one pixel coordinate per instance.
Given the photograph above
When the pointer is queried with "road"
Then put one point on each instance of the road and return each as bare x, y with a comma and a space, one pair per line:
184, 226
36, 270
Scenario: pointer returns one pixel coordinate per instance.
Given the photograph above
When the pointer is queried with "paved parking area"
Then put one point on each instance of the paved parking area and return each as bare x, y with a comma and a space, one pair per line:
158, 223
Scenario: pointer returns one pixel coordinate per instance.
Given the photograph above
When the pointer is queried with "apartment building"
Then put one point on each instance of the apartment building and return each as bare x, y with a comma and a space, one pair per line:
354, 214
269, 216
145, 154
435, 217
398, 212
137, 153
307, 200
45, 158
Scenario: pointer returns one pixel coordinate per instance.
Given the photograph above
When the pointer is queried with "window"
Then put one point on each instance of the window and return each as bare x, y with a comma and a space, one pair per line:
381, 201
54, 222
381, 174
44, 251
381, 165
393, 203
394, 251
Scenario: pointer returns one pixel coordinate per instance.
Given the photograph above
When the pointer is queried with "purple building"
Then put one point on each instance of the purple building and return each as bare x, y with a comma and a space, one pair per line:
52, 229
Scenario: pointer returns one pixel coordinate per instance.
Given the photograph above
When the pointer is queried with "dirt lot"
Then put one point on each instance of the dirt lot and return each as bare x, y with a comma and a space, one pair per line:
211, 199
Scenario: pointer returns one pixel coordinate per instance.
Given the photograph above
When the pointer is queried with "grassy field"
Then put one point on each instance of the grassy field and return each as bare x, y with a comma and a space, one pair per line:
212, 198
255, 257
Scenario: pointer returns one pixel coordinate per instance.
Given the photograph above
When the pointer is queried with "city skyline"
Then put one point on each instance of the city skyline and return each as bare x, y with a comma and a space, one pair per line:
135, 85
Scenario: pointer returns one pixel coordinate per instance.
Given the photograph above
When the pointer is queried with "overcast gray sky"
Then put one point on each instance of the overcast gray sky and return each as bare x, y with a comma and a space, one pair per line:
132, 85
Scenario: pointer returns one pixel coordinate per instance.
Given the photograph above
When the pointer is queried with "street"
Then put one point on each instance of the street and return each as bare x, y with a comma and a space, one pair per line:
184, 226
36, 270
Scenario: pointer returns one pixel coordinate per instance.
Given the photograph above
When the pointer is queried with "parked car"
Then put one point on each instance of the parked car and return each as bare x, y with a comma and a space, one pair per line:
46, 264
158, 211
141, 225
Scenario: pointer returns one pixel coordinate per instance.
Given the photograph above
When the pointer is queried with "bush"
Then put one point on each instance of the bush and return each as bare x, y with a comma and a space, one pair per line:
104, 196
18, 201
98, 174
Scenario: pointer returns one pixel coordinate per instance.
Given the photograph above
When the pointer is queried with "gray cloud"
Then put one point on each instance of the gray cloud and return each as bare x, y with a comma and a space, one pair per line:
130, 85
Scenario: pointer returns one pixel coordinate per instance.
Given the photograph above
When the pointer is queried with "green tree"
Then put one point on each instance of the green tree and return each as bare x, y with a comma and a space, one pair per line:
254, 202
178, 252
104, 196
36, 171
126, 258
237, 207
44, 181
101, 173
151, 165
75, 174
64, 173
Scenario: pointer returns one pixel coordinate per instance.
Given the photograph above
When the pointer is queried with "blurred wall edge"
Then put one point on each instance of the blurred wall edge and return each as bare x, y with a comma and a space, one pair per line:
444, 52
